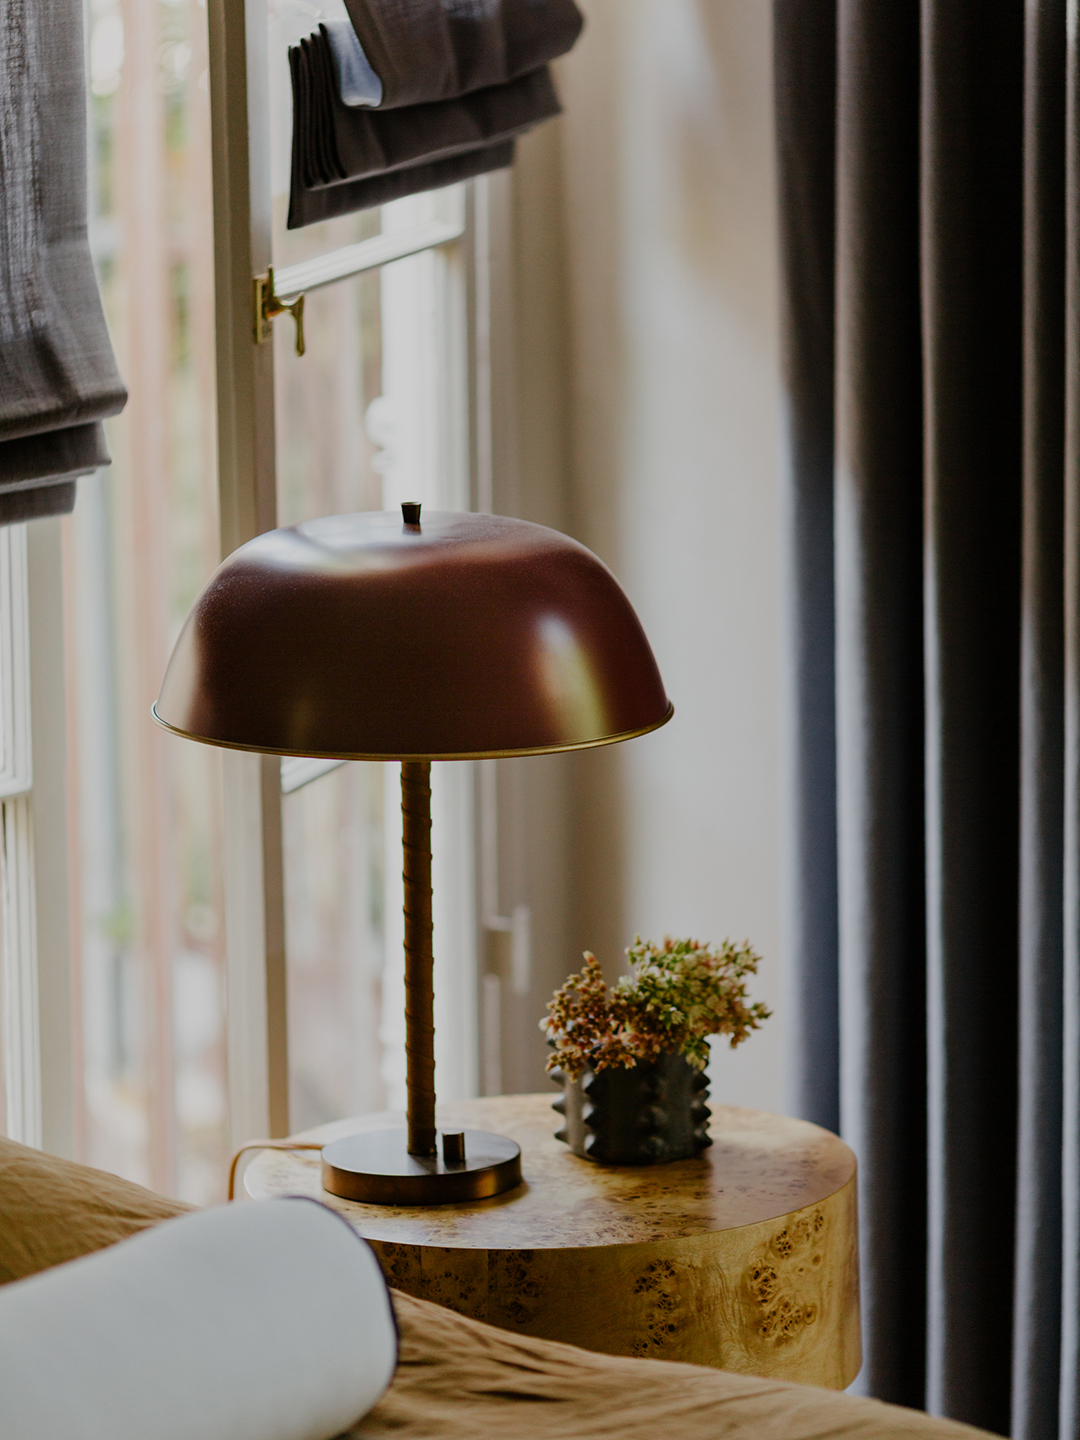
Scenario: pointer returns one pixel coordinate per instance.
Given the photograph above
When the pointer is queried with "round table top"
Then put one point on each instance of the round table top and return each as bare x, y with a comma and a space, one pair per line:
758, 1167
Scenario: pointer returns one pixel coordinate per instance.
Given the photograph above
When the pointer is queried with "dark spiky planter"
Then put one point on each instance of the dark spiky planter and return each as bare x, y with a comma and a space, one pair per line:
643, 1116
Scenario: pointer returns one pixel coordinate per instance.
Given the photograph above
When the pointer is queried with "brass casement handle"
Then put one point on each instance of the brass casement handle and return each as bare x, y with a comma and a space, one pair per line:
268, 304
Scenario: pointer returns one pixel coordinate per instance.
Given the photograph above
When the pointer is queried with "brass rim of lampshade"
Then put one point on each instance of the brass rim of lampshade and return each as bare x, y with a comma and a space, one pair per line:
463, 755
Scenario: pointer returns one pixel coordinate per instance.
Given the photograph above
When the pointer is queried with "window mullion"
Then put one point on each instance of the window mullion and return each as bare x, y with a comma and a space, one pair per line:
39, 852
19, 1007
35, 961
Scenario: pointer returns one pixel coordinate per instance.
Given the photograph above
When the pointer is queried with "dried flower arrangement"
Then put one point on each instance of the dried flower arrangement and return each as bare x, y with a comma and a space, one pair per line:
675, 997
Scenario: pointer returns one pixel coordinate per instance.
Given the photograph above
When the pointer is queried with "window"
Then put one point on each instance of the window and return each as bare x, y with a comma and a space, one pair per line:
191, 874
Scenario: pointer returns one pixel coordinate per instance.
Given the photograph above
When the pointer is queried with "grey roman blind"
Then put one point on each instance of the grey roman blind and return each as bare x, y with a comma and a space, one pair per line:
58, 376
417, 94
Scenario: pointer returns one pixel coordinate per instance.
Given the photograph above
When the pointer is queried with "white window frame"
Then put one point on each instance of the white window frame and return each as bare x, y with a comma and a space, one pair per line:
20, 1044
19, 996
16, 765
36, 1040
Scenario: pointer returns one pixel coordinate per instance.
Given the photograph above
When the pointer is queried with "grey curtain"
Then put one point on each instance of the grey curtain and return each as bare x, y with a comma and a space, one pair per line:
58, 378
929, 164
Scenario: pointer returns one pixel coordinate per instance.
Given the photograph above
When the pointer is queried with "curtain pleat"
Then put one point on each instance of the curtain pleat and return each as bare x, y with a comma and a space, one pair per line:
954, 968
878, 587
805, 54
1037, 1303
1070, 1159
972, 107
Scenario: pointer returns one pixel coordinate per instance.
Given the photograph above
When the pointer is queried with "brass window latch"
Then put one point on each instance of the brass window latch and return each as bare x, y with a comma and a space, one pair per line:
268, 304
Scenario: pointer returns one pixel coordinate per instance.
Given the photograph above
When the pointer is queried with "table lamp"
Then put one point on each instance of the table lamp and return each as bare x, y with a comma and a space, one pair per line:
381, 637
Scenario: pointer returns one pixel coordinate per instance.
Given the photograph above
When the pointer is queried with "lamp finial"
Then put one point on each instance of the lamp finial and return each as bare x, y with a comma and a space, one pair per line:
410, 512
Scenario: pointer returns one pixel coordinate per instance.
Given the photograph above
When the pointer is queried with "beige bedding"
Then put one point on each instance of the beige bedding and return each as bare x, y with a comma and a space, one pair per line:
52, 1210
458, 1379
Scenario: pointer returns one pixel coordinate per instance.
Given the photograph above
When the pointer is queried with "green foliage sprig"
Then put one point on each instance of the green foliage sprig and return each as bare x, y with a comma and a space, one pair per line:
674, 998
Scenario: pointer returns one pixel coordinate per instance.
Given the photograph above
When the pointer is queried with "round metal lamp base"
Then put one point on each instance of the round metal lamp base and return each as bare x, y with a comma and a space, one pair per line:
377, 1169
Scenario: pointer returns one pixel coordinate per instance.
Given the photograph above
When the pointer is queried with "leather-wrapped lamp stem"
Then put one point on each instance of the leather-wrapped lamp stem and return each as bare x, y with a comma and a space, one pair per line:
419, 978
404, 1167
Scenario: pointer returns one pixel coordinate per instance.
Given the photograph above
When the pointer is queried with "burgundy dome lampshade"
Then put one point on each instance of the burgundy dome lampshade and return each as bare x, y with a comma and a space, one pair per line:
374, 637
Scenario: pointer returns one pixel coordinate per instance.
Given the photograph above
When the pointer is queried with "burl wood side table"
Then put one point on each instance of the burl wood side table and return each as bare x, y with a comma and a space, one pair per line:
744, 1258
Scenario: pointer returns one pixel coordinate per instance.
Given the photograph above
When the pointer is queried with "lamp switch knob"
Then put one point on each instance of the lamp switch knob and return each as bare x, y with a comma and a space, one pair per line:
453, 1147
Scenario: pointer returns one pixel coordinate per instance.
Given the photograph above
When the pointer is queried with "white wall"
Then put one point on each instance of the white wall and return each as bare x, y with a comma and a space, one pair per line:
668, 198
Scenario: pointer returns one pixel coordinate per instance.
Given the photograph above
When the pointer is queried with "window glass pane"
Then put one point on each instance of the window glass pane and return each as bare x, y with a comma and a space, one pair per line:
145, 806
373, 413
334, 941
327, 462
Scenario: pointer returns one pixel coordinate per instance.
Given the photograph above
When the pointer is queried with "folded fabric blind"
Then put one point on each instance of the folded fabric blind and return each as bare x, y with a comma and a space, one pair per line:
431, 92
58, 376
